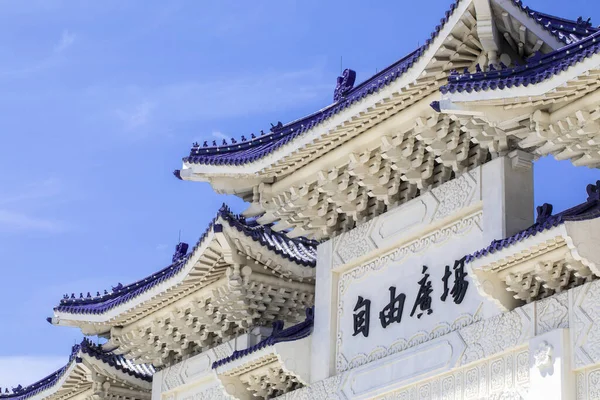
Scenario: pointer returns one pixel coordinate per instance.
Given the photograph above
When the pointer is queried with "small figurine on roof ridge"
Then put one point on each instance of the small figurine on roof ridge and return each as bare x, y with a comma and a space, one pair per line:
584, 23
543, 213
276, 127
180, 251
344, 84
593, 191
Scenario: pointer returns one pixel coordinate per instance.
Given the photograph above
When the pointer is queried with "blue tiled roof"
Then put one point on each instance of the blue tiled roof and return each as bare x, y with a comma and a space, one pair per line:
567, 31
140, 371
279, 335
247, 150
301, 251
545, 220
537, 69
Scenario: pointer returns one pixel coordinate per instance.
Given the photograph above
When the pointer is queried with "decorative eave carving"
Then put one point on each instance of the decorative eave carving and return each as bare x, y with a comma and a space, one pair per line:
229, 307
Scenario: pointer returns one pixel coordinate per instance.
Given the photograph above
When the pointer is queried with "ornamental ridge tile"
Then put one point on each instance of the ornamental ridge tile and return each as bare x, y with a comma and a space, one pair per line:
565, 30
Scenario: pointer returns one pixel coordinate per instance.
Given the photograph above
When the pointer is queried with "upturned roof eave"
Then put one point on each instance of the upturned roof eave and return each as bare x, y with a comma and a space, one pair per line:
194, 169
96, 313
384, 89
528, 81
53, 383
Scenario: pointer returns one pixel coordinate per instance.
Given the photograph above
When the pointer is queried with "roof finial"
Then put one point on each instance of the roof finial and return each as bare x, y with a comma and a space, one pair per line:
593, 191
345, 83
180, 251
543, 213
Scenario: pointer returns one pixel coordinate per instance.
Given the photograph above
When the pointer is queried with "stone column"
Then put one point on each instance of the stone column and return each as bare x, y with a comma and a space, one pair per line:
157, 385
323, 336
550, 371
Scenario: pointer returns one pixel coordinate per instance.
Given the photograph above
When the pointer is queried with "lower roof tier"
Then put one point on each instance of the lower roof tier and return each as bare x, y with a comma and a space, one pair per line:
90, 371
239, 275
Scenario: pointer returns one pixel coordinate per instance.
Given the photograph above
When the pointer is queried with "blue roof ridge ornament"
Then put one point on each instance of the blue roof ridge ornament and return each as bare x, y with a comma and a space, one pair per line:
345, 83
593, 191
543, 213
180, 251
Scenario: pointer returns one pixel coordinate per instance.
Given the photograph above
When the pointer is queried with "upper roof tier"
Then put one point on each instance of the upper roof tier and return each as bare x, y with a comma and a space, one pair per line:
238, 275
247, 150
76, 377
384, 141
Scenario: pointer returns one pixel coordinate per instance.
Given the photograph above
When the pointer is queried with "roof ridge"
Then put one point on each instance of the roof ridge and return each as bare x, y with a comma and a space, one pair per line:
259, 146
545, 20
85, 346
278, 335
535, 70
589, 209
302, 252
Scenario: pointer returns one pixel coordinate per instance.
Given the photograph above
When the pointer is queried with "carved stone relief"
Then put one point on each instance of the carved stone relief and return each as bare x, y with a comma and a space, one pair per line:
588, 384
173, 377
584, 318
327, 389
420, 245
353, 244
552, 313
456, 194
441, 202
489, 379
497, 334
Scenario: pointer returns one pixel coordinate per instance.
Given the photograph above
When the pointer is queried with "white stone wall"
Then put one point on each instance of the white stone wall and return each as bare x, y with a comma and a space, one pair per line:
433, 230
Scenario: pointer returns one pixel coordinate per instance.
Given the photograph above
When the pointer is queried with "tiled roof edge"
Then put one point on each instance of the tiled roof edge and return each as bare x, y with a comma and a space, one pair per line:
121, 294
279, 335
87, 347
548, 22
258, 147
537, 69
590, 209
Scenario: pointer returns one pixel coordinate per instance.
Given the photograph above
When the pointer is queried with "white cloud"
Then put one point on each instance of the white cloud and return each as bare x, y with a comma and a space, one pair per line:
66, 40
51, 60
25, 370
11, 221
21, 207
162, 247
220, 135
50, 187
138, 116
158, 108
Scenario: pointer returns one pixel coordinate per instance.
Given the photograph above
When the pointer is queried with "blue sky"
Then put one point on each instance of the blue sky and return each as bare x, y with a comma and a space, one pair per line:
100, 100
